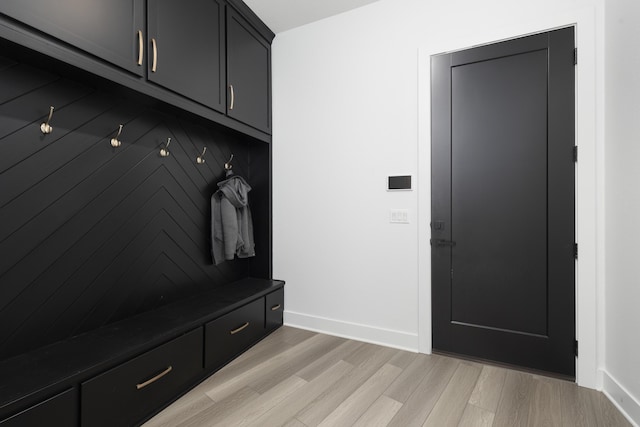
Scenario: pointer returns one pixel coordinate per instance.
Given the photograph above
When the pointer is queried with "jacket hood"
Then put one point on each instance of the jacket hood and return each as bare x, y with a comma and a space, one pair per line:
236, 190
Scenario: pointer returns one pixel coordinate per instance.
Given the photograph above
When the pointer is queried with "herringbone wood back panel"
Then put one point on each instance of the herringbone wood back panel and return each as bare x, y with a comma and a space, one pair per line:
90, 234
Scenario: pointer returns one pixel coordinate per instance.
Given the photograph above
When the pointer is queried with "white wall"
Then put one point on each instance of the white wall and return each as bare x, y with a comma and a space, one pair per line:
345, 103
351, 103
622, 354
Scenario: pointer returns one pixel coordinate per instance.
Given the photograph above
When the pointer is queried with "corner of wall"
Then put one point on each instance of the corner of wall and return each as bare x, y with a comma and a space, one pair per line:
621, 398
354, 331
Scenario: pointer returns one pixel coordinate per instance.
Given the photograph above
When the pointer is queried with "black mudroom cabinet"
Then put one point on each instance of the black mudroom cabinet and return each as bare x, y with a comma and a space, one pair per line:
187, 35
113, 31
111, 305
176, 52
248, 74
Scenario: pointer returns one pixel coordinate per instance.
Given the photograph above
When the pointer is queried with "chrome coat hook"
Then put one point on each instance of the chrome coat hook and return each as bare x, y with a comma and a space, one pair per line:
115, 142
200, 159
164, 152
45, 127
228, 165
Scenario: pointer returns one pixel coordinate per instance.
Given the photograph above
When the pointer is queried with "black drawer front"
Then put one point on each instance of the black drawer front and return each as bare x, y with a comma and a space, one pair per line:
274, 309
232, 333
61, 409
136, 389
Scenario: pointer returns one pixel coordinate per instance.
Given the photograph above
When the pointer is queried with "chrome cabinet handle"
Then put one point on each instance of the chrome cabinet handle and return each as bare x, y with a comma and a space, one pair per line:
154, 64
154, 379
276, 307
235, 331
140, 48
233, 97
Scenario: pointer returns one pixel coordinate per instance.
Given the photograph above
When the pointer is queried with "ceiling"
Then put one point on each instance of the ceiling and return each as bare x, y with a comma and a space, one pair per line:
282, 15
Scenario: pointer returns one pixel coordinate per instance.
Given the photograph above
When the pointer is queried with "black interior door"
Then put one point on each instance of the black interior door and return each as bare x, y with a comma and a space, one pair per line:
503, 196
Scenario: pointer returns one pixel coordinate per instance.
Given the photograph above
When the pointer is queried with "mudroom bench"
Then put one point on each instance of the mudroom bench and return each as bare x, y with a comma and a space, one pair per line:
124, 373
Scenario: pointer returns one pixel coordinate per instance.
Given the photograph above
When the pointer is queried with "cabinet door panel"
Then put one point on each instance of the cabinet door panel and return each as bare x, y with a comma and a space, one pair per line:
231, 334
63, 408
106, 29
274, 309
248, 74
188, 38
135, 389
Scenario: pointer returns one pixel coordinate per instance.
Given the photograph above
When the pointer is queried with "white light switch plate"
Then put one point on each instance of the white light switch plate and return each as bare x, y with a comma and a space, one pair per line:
399, 216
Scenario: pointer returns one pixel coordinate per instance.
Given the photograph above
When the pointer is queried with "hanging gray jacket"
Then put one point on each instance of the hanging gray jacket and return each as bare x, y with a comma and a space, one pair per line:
231, 223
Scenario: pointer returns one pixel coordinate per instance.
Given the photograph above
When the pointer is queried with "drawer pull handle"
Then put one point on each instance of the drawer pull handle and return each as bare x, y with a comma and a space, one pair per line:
275, 307
154, 379
233, 97
154, 63
140, 48
235, 331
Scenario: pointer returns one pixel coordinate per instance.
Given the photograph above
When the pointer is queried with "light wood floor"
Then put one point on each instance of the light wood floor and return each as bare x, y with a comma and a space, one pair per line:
297, 378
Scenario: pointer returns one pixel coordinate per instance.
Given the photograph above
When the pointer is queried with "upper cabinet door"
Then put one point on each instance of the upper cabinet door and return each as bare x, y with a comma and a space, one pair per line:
111, 30
186, 48
248, 74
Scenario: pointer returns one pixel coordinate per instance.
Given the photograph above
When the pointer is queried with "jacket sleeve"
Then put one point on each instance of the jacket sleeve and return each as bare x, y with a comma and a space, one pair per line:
229, 228
217, 238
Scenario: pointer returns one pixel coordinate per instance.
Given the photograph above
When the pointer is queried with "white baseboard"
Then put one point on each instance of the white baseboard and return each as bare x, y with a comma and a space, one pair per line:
624, 401
354, 331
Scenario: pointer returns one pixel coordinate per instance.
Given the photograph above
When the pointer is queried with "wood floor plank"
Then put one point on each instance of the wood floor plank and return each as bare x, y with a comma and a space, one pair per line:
379, 413
189, 405
475, 416
280, 340
513, 408
331, 398
416, 409
287, 410
232, 404
435, 389
486, 394
224, 384
592, 408
410, 378
545, 408
403, 359
367, 351
576, 407
317, 367
277, 374
295, 335
261, 405
453, 400
360, 400
608, 414
278, 343
294, 423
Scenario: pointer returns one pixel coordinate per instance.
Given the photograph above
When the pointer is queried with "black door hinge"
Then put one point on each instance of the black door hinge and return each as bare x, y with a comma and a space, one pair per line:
575, 347
575, 153
575, 56
575, 250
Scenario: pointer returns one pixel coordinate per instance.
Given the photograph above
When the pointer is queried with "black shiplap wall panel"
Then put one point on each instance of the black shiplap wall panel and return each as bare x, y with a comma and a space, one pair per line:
6, 63
50, 158
32, 107
18, 79
92, 234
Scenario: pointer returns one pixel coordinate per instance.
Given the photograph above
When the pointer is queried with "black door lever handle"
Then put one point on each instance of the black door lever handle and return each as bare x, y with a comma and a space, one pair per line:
442, 242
